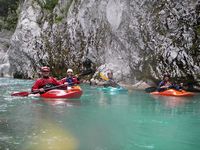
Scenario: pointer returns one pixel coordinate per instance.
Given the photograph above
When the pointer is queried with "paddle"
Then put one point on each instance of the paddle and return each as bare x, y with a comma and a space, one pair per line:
150, 89
35, 92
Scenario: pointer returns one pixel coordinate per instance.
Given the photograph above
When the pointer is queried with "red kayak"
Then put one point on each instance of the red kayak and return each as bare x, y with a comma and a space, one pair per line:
72, 92
172, 92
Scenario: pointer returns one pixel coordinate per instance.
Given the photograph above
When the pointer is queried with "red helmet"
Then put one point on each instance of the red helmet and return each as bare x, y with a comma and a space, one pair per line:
45, 68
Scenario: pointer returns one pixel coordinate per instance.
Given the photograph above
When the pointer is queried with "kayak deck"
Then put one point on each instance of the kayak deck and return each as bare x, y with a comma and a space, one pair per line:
73, 92
172, 92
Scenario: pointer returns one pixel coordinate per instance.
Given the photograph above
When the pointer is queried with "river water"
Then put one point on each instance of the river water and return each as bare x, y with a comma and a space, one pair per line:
99, 120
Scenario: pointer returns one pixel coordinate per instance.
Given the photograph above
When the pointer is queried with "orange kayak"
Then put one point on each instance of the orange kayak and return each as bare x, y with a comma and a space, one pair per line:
172, 92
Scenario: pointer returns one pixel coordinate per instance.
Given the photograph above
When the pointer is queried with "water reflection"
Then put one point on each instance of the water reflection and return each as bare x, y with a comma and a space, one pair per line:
36, 127
98, 120
60, 102
172, 101
51, 136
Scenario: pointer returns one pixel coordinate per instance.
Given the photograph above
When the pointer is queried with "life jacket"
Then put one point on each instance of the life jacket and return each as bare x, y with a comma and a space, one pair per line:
48, 85
45, 83
70, 81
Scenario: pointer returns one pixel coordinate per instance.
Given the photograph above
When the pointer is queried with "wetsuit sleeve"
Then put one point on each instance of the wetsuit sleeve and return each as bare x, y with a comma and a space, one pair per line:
76, 80
159, 89
36, 85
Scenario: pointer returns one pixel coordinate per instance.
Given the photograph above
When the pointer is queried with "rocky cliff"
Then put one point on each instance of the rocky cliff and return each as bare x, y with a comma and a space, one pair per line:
8, 21
138, 39
5, 36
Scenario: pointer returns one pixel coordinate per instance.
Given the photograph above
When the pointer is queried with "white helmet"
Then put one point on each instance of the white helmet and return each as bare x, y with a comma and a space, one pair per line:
69, 70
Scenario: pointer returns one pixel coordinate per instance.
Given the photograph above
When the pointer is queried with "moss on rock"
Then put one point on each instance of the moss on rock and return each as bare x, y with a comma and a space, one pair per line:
8, 14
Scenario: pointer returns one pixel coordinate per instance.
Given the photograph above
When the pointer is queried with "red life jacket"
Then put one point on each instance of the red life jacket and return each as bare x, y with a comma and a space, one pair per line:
42, 82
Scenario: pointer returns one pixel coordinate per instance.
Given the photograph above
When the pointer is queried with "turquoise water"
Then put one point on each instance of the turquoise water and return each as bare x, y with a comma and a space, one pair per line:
98, 120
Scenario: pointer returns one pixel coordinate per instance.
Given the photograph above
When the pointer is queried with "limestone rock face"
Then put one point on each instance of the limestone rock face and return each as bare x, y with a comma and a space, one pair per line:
5, 36
22, 55
138, 39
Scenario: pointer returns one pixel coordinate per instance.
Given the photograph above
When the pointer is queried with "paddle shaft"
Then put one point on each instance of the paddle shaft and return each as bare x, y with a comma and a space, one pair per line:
47, 89
150, 89
35, 92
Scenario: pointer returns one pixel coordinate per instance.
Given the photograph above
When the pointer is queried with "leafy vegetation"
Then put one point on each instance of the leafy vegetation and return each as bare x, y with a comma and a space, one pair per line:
8, 14
48, 4
58, 19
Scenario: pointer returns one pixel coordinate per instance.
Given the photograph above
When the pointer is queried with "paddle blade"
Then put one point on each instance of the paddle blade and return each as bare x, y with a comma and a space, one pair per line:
20, 94
150, 89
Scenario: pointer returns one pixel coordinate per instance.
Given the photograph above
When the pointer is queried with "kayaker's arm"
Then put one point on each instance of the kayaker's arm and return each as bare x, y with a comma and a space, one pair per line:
41, 90
162, 86
76, 80
36, 86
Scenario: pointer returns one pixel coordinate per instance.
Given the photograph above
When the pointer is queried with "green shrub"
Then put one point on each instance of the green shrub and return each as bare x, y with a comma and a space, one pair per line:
58, 19
50, 4
8, 14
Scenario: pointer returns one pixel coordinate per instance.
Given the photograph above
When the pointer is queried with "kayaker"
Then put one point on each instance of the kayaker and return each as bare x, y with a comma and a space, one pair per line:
87, 67
167, 84
110, 82
45, 81
70, 79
